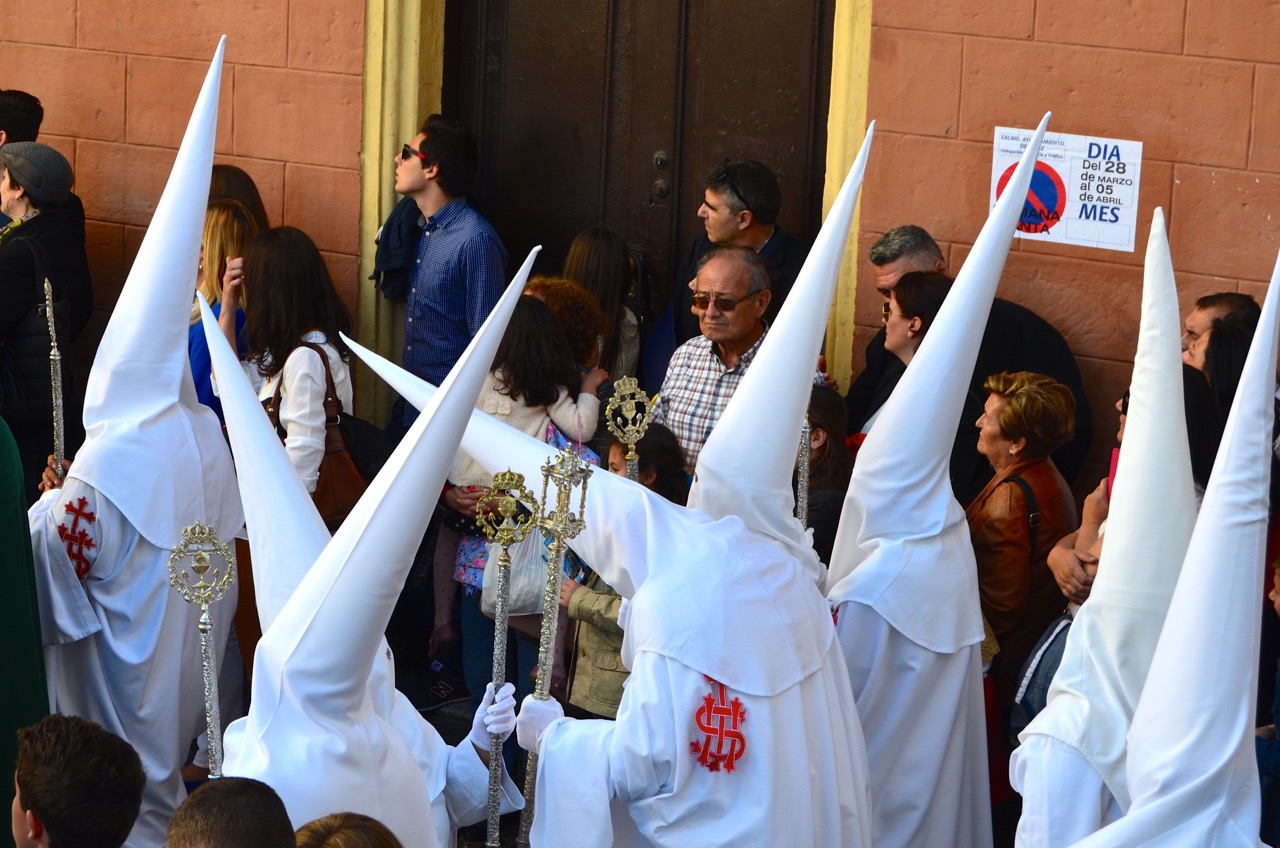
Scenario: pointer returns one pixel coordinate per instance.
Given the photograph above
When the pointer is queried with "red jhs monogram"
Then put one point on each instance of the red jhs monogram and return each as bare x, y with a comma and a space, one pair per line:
719, 721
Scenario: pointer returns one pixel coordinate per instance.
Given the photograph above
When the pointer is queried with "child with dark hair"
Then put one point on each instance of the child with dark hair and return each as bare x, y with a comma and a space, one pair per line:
76, 785
534, 385
596, 672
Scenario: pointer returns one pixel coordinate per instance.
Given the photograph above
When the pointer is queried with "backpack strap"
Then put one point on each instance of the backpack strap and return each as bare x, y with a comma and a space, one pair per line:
1033, 513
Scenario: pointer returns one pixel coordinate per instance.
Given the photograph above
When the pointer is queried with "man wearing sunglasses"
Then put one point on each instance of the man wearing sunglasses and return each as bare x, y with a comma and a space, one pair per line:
438, 254
740, 205
731, 293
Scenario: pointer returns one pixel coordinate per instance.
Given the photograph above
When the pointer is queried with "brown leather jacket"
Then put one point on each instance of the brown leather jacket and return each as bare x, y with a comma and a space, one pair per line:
1017, 591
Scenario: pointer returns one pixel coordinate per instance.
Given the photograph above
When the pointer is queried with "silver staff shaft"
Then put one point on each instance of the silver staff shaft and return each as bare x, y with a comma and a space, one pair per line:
802, 474
55, 382
566, 471
209, 667
501, 616
499, 515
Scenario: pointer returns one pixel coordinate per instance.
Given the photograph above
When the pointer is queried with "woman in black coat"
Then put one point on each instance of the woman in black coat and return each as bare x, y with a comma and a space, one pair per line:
34, 180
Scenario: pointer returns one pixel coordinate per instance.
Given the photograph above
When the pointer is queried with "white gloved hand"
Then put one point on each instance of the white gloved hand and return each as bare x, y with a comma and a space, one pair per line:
534, 719
494, 715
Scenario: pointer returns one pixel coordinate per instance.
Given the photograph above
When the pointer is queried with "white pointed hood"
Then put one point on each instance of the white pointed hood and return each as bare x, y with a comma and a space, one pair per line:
674, 564
315, 731
902, 535
745, 469
151, 448
1113, 637
1192, 771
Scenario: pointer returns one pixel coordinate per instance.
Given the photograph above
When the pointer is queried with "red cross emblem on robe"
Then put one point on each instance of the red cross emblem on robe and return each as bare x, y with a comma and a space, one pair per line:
78, 539
719, 723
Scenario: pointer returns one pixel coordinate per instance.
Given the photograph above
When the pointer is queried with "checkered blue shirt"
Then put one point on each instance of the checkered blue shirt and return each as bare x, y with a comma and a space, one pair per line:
458, 276
696, 390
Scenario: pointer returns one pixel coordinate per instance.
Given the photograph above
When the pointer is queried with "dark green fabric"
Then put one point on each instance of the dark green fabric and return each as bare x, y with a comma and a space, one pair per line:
26, 699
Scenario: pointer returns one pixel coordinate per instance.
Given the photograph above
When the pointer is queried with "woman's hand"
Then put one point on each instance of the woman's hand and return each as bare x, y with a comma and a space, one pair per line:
232, 281
567, 588
1073, 571
593, 380
1096, 505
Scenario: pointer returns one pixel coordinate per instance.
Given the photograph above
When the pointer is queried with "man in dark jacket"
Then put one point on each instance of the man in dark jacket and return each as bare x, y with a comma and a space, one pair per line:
1016, 339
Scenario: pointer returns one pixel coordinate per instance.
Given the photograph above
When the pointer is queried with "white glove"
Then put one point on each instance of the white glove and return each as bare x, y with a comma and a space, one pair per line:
534, 719
494, 715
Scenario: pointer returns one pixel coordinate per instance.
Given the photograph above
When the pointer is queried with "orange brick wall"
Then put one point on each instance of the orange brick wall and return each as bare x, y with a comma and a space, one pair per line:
118, 81
1196, 81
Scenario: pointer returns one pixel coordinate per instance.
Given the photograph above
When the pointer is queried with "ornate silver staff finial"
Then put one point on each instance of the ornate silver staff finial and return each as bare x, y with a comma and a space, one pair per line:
200, 544
627, 417
802, 473
566, 471
55, 381
499, 516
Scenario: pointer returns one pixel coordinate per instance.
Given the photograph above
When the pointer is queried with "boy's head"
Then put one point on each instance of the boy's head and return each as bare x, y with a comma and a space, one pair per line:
231, 812
20, 116
76, 785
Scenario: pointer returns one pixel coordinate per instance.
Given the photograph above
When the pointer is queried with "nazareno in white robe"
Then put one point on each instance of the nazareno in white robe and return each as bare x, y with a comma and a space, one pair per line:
926, 733
635, 781
746, 612
122, 647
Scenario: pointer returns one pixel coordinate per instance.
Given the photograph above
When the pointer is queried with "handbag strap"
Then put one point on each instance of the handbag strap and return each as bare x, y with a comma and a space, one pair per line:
332, 403
1033, 513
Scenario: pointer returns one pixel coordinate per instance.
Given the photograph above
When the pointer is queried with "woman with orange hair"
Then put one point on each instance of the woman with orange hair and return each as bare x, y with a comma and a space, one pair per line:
1018, 517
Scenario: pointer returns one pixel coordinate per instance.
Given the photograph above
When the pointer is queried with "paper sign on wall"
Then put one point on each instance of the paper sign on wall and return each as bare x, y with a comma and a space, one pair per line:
1084, 190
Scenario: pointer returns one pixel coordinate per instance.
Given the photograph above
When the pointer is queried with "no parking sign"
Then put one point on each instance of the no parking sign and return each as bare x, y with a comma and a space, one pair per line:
1084, 190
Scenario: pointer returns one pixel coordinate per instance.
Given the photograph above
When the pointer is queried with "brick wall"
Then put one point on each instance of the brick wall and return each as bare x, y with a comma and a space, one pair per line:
118, 81
1191, 79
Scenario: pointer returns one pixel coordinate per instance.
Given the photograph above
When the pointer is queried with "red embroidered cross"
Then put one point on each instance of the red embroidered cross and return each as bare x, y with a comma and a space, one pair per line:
719, 720
76, 537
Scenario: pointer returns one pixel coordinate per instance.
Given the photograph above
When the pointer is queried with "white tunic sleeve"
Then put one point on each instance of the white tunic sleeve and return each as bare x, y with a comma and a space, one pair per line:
1063, 797
66, 539
302, 413
457, 781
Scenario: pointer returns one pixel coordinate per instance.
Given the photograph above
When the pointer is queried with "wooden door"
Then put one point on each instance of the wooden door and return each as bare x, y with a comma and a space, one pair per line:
614, 112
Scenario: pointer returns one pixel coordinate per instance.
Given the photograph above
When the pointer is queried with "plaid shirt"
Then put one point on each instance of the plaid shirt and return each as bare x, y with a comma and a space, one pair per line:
696, 390
458, 276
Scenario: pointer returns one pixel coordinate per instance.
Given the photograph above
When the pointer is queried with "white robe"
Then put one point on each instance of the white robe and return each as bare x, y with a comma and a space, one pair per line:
637, 782
1064, 799
922, 712
122, 647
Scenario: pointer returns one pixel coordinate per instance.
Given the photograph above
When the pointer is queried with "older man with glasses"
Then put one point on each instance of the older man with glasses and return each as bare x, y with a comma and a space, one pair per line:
731, 295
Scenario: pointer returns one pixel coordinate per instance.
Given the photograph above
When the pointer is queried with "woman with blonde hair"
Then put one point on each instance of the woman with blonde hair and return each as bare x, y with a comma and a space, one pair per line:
229, 226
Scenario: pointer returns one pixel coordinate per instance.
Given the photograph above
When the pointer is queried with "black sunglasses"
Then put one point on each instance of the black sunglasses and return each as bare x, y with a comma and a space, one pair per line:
722, 176
407, 151
1124, 403
724, 303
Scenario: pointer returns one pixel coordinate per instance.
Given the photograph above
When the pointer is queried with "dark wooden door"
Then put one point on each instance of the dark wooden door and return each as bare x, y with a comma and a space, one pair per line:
614, 111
